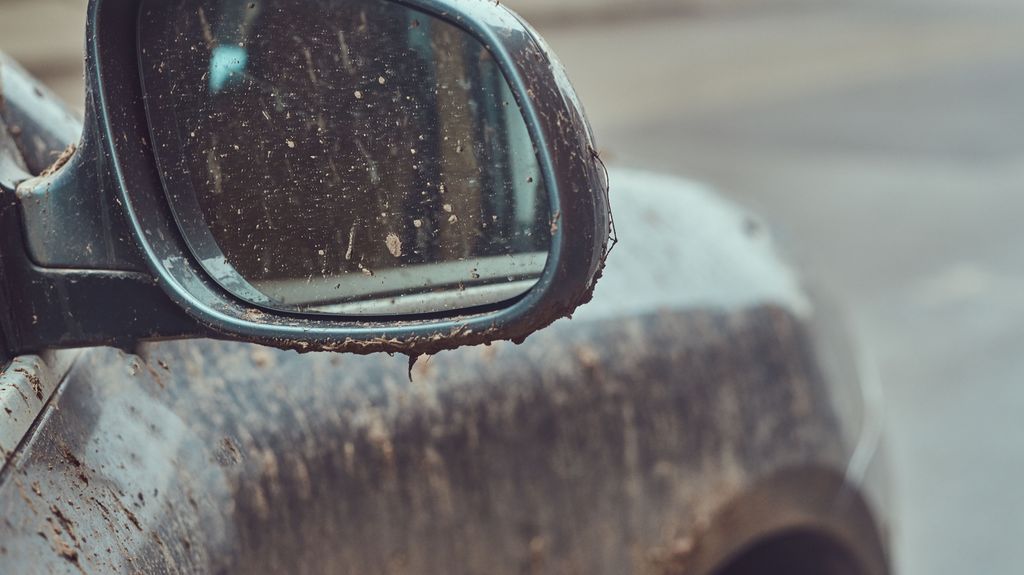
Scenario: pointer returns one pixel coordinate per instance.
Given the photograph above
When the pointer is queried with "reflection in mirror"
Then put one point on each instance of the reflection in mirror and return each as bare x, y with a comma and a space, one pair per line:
351, 157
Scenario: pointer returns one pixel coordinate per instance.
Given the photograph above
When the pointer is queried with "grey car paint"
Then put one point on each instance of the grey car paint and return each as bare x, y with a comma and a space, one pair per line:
689, 410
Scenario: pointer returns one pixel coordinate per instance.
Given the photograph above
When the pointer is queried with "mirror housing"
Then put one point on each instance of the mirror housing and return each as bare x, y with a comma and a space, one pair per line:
103, 260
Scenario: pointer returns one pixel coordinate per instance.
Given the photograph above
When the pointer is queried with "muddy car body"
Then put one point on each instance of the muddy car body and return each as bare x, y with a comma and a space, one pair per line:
700, 415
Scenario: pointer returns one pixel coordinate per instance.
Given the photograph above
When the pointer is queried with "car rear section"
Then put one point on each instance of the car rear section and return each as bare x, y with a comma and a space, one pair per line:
696, 417
673, 426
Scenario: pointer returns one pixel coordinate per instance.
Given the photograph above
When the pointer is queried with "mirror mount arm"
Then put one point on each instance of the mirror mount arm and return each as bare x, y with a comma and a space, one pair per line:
71, 275
68, 204
42, 308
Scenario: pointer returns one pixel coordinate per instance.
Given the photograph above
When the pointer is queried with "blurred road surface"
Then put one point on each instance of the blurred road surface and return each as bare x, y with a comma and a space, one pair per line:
884, 141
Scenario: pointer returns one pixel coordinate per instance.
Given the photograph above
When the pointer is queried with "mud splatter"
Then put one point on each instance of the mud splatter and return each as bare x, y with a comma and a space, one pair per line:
61, 161
394, 245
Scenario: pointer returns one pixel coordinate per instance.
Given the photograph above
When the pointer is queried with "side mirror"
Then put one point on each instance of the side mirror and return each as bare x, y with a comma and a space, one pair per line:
349, 175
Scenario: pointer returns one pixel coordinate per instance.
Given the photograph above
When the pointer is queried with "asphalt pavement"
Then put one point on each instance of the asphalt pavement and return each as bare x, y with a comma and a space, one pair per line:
883, 141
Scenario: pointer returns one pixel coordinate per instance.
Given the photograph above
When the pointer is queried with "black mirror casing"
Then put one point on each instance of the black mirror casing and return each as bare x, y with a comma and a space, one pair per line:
117, 152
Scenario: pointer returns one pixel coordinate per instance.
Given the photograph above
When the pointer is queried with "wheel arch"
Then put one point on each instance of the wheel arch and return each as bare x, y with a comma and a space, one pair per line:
804, 512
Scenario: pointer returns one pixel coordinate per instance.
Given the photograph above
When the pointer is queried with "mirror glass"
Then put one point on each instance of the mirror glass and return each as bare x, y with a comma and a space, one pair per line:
348, 157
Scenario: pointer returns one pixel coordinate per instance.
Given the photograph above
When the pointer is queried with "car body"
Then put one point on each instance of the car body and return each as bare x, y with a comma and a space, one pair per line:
702, 414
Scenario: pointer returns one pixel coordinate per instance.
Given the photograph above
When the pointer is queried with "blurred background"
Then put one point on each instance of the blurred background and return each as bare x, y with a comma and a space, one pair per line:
883, 140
